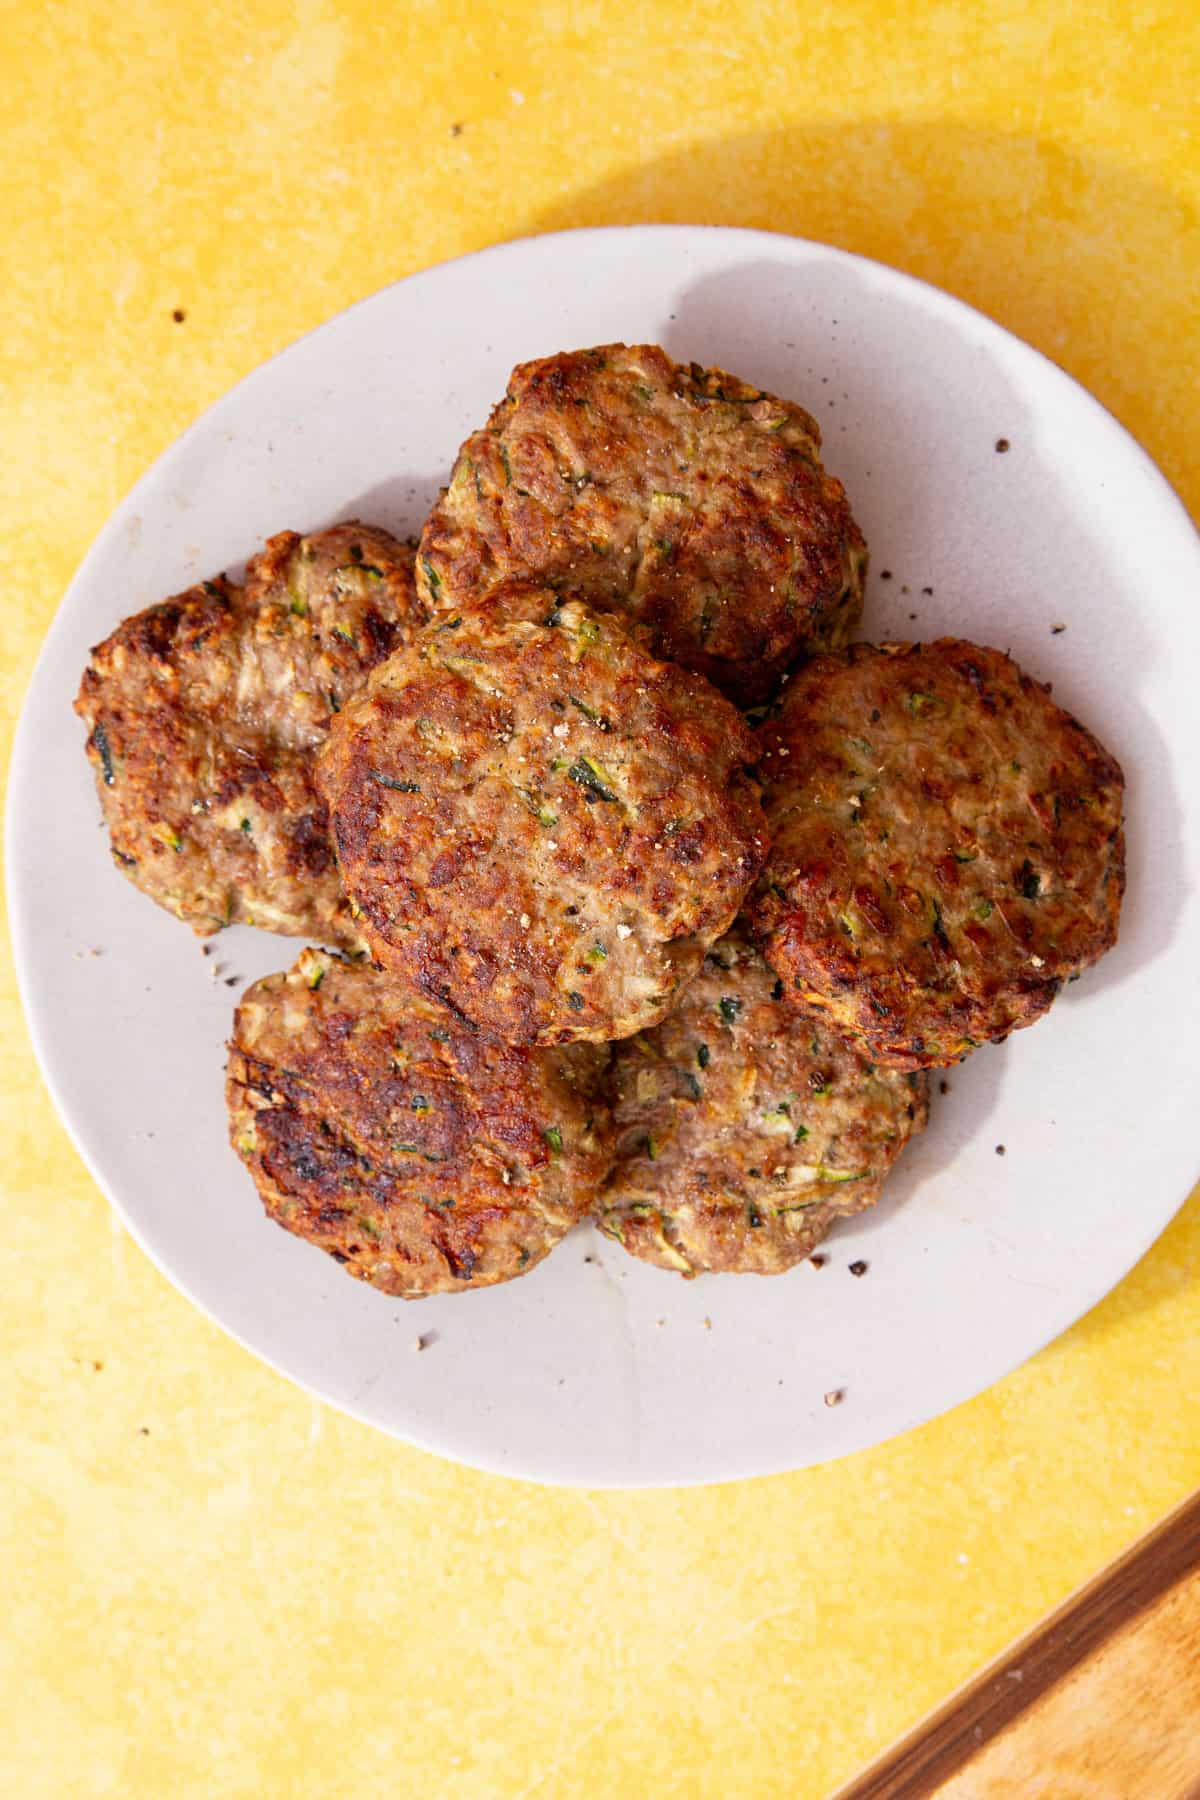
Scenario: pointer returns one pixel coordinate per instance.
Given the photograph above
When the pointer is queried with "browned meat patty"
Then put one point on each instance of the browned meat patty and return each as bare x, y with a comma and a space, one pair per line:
676, 495
541, 824
947, 847
203, 714
746, 1128
421, 1155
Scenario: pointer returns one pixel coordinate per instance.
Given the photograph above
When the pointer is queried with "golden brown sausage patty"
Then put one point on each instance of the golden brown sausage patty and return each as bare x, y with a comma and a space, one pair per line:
542, 825
676, 495
947, 847
203, 714
424, 1157
746, 1127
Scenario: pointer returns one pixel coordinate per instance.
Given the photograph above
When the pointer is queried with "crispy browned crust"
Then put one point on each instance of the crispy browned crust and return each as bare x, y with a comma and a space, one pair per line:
203, 713
541, 824
947, 847
424, 1157
746, 1128
677, 495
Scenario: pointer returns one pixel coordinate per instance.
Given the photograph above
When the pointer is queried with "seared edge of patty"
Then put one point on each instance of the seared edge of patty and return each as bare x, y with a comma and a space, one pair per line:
422, 1156
747, 1128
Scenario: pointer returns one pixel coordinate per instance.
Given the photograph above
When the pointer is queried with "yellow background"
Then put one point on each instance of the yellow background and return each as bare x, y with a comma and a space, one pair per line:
210, 1585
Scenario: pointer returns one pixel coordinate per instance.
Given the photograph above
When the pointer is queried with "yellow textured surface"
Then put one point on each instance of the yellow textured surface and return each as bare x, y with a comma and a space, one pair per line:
211, 1586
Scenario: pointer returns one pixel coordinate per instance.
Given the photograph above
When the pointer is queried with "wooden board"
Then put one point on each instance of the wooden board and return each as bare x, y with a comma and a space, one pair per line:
1100, 1702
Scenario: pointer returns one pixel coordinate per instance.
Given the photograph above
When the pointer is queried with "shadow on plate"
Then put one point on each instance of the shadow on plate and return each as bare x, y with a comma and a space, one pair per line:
400, 504
737, 319
1075, 254
956, 1118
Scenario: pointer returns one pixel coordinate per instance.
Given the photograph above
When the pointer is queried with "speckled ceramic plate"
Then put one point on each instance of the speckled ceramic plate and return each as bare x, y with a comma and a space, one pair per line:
594, 1369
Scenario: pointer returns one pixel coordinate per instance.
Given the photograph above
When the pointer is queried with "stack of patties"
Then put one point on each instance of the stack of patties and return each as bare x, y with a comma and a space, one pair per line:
629, 956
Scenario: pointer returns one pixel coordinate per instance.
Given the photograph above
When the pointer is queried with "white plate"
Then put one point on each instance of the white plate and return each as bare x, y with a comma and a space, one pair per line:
596, 1369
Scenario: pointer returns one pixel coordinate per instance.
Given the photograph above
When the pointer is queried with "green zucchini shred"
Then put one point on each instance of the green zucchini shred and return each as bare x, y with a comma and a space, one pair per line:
590, 775
387, 781
588, 712
104, 752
